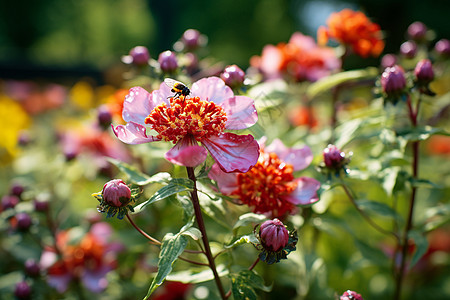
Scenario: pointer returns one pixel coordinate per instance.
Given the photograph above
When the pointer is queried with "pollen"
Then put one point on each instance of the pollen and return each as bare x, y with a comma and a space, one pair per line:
264, 186
187, 116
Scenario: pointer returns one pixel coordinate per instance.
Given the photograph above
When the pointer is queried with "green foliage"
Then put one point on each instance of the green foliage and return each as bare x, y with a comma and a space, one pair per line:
244, 283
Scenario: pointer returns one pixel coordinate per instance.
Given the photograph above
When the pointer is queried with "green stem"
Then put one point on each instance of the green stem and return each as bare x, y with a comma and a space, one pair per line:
201, 225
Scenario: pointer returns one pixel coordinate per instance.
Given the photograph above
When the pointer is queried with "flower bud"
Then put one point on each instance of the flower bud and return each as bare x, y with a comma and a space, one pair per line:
22, 290
388, 60
274, 235
350, 295
424, 71
17, 189
442, 47
23, 221
191, 62
116, 193
139, 55
32, 268
168, 61
233, 76
191, 39
408, 49
41, 206
333, 157
9, 201
104, 117
393, 80
417, 31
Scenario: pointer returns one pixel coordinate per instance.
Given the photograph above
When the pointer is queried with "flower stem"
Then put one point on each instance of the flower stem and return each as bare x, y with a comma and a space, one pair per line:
153, 240
201, 225
415, 173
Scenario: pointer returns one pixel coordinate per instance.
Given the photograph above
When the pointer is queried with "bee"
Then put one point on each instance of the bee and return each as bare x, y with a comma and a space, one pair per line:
180, 89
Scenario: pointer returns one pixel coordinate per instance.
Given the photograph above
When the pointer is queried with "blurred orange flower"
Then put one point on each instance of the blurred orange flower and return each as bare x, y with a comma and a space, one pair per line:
354, 29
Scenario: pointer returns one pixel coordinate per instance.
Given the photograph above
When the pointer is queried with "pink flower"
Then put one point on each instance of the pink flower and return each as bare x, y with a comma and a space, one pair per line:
274, 235
270, 186
186, 121
88, 260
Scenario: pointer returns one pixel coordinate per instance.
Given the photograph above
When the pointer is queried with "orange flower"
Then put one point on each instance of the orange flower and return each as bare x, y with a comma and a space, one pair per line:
353, 28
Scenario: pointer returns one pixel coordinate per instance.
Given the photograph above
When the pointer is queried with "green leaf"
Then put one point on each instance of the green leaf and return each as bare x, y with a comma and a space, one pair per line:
421, 246
347, 131
245, 239
420, 133
172, 247
137, 177
249, 218
423, 183
193, 232
378, 208
175, 186
189, 276
244, 283
373, 254
329, 82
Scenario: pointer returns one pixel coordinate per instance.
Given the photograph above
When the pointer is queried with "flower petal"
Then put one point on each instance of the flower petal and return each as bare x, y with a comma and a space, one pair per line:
299, 158
95, 280
133, 133
212, 89
59, 282
137, 105
227, 182
162, 95
241, 112
305, 193
186, 153
233, 153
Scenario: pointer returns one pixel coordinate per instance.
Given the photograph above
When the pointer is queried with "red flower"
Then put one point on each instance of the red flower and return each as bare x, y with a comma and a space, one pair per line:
354, 29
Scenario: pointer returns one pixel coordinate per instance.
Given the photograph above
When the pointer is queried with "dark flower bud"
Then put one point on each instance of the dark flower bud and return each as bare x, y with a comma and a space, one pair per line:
274, 235
350, 295
17, 189
417, 31
191, 39
116, 193
442, 47
23, 221
22, 290
138, 56
388, 60
168, 61
9, 201
41, 205
424, 71
393, 80
333, 157
233, 76
408, 49
32, 268
104, 117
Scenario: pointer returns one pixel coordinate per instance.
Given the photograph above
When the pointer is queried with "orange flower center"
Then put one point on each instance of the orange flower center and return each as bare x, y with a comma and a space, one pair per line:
264, 185
187, 116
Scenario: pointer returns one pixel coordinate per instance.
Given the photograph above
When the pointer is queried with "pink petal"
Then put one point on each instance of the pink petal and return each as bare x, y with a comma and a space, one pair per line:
59, 282
102, 232
227, 182
306, 192
187, 153
233, 153
241, 112
137, 105
95, 280
299, 158
212, 89
133, 133
162, 95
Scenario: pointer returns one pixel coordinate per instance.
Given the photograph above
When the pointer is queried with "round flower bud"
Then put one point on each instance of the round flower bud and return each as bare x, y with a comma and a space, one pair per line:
408, 49
22, 290
191, 39
417, 31
104, 117
191, 62
424, 71
116, 193
23, 221
442, 47
168, 61
333, 157
388, 60
350, 295
393, 80
32, 268
17, 189
41, 206
9, 201
139, 55
274, 235
233, 76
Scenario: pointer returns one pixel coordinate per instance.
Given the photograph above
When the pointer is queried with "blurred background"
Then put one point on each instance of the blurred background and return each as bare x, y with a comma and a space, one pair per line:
67, 40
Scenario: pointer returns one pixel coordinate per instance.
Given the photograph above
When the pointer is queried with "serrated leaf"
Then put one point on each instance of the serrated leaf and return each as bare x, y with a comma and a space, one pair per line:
329, 82
421, 246
421, 133
244, 283
378, 208
249, 218
189, 276
172, 247
175, 186
137, 177
245, 239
